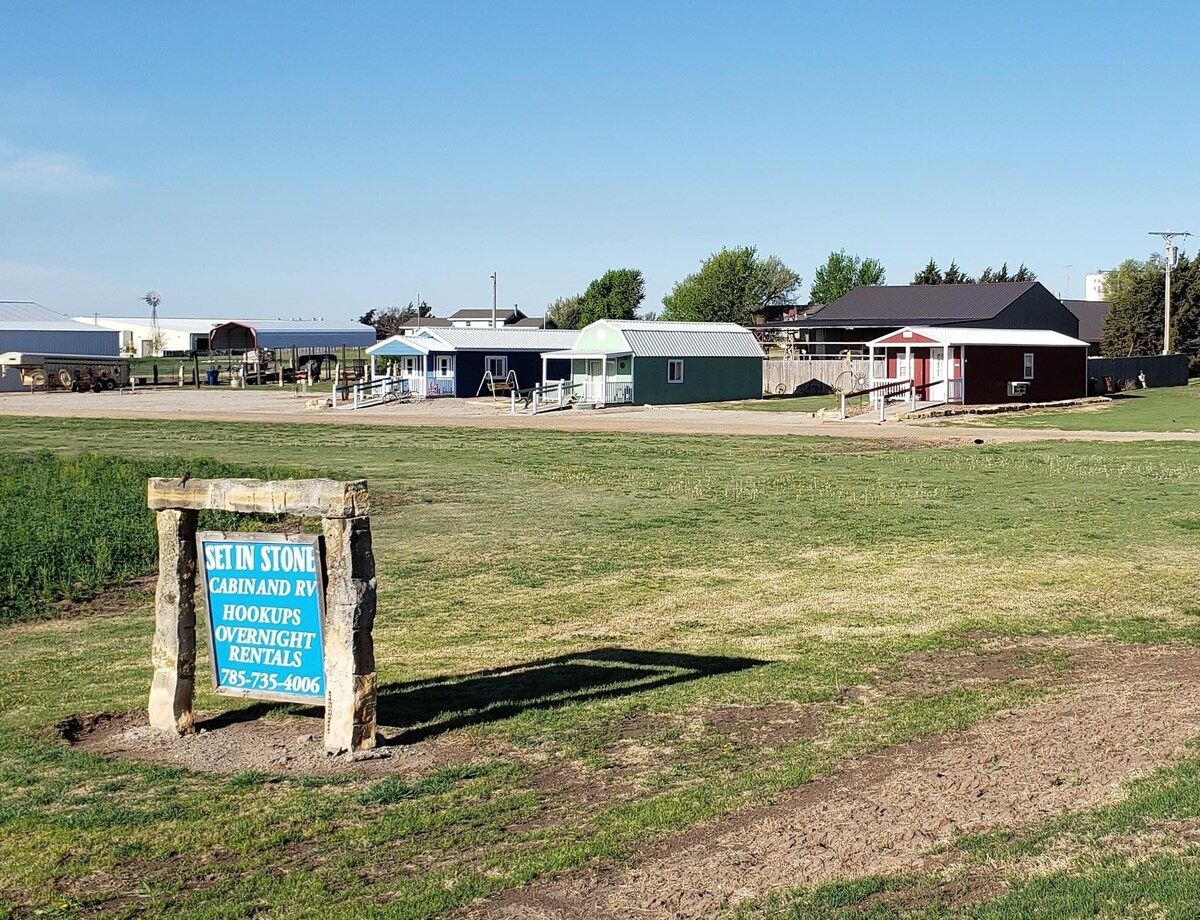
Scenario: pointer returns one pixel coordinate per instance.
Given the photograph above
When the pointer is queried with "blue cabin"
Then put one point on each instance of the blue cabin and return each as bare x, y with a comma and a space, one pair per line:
472, 362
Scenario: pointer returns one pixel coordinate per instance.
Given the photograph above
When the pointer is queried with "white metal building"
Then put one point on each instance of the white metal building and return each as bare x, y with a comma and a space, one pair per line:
183, 335
32, 328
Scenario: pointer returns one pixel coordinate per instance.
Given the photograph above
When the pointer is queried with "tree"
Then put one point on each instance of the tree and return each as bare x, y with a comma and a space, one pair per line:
841, 274
997, 276
733, 286
614, 295
1134, 325
388, 322
930, 274
955, 275
565, 312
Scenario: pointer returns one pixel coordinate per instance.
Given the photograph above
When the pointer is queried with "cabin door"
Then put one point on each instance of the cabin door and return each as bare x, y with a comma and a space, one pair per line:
593, 382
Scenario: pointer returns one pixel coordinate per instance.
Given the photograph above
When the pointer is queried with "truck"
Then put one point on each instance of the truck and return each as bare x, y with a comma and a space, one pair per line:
76, 373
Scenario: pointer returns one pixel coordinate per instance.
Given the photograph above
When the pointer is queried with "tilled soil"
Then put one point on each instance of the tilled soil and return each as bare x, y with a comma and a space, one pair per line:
1129, 713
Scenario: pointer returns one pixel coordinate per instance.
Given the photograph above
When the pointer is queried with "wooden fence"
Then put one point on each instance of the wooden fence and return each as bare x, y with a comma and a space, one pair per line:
789, 376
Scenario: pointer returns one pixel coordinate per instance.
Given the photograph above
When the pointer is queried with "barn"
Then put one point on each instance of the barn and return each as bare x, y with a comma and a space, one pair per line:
979, 365
462, 361
34, 329
663, 363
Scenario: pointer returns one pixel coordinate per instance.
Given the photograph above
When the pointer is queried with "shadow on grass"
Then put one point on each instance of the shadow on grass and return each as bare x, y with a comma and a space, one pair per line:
430, 707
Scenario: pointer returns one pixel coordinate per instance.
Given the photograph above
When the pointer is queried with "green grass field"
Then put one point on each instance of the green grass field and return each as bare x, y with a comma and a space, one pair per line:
579, 606
1163, 409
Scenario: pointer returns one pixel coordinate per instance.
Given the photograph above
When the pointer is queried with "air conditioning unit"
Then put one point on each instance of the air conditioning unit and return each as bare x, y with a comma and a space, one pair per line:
1018, 387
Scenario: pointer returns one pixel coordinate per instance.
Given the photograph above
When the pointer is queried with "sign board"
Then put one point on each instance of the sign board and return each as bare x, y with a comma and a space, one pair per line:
265, 595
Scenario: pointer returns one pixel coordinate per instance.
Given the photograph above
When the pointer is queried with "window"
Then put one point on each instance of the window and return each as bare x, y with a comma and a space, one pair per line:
1028, 365
675, 370
445, 366
497, 366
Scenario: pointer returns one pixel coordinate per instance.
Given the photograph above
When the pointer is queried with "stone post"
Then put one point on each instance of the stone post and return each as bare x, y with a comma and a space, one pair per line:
174, 650
350, 683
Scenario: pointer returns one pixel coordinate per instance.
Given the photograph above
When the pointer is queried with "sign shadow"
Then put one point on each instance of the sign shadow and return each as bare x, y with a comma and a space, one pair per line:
426, 708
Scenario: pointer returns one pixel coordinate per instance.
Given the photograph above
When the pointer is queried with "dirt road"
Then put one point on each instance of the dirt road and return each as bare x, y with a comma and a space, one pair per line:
270, 405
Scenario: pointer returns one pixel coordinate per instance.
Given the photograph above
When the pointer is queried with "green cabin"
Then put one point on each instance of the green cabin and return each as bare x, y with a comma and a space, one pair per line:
636, 362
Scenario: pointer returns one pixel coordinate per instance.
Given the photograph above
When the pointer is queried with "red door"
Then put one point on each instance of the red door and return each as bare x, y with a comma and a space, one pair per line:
920, 371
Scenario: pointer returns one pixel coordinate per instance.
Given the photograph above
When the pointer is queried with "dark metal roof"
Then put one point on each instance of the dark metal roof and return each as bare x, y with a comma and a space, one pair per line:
919, 304
1091, 314
502, 313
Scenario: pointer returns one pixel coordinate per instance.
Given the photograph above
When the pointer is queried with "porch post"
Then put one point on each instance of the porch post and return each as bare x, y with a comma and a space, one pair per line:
949, 369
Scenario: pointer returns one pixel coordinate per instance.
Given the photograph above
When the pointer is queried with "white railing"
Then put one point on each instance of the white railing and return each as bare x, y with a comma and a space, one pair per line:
557, 394
432, 385
617, 393
890, 389
365, 393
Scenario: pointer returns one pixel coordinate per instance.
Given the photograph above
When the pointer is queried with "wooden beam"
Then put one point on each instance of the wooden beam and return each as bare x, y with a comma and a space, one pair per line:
327, 498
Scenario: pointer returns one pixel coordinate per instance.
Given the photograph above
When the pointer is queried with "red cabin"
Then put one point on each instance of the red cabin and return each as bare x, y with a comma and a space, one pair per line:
978, 366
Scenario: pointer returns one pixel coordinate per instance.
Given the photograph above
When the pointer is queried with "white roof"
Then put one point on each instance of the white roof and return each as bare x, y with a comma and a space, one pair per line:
169, 324
661, 339
204, 325
20, 315
973, 335
483, 339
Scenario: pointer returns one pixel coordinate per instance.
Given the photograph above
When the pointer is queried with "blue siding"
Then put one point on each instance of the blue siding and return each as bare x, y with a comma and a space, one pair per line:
55, 342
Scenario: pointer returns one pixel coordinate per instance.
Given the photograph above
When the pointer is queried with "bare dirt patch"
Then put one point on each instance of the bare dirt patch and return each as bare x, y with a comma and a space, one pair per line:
767, 726
236, 742
1130, 712
109, 602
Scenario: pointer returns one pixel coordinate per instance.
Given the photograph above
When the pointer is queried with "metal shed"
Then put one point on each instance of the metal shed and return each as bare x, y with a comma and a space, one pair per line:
30, 327
249, 334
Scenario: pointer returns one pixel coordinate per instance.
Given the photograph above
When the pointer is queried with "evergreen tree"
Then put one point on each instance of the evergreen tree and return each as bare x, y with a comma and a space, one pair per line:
930, 274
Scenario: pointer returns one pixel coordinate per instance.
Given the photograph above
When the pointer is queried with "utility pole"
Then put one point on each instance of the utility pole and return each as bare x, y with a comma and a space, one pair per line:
493, 300
1170, 252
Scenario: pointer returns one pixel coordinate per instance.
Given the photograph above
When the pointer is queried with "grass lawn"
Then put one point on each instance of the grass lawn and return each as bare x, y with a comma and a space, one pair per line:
781, 403
1161, 409
582, 607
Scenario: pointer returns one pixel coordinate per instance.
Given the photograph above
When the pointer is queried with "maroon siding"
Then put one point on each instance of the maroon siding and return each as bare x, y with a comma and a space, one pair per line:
1058, 373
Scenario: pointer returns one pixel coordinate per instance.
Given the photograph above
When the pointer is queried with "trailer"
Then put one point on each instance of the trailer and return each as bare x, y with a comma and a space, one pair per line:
76, 373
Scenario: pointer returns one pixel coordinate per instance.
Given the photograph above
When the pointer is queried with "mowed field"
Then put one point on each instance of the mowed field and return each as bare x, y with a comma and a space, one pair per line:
655, 676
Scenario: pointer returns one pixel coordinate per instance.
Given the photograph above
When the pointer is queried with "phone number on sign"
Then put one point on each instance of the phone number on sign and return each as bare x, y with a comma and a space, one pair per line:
257, 680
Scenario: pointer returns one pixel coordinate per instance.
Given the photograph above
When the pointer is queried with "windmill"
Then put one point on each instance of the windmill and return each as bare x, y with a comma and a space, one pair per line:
153, 298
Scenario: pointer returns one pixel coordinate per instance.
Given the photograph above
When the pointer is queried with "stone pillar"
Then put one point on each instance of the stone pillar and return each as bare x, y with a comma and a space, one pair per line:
350, 683
174, 650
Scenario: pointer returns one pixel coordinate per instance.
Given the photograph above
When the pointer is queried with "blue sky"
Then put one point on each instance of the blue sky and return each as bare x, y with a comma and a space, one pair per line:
291, 159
